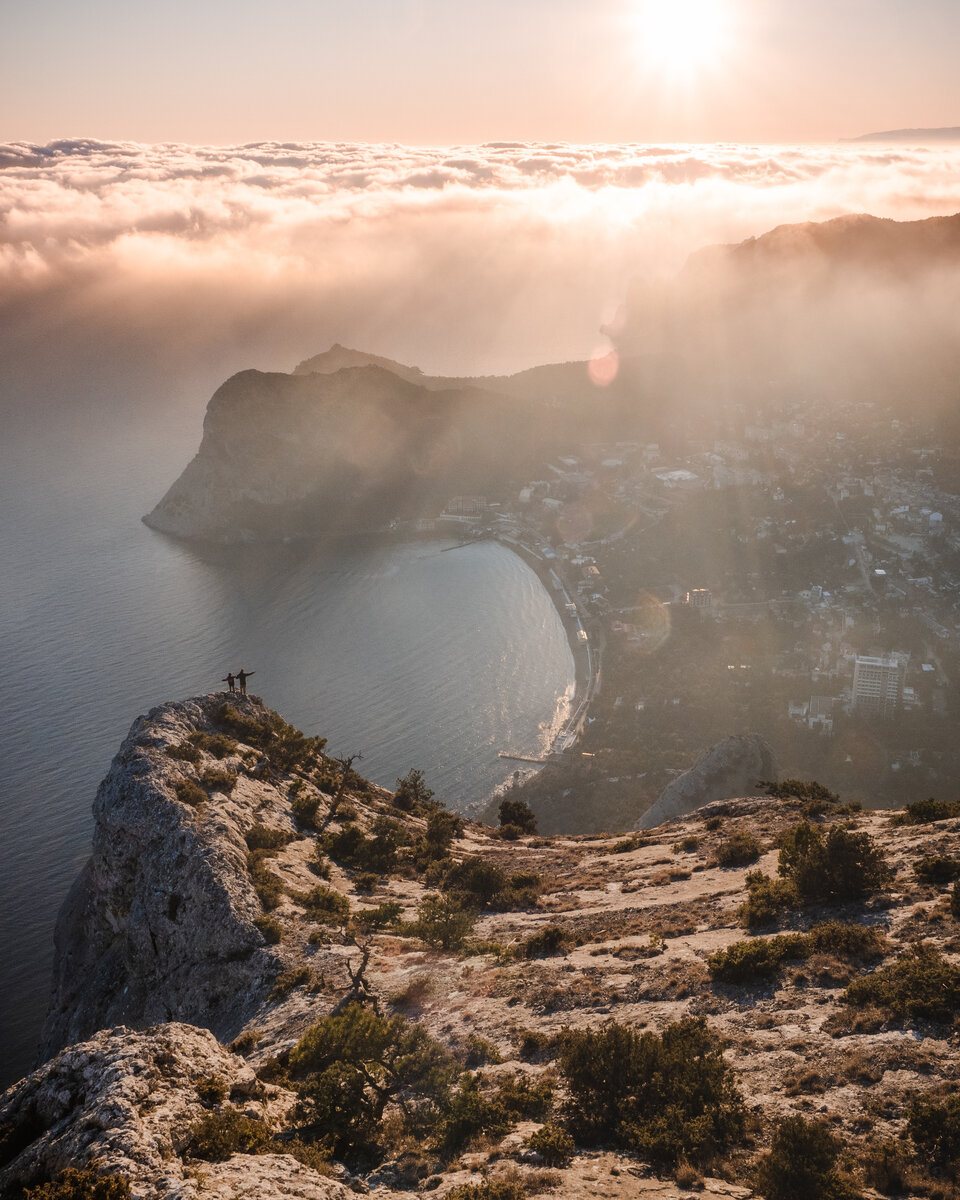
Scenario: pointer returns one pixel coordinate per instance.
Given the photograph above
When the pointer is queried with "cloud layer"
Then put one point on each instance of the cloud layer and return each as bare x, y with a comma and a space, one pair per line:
461, 259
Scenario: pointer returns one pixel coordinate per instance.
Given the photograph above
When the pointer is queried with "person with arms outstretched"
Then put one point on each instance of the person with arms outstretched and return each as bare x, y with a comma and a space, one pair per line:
242, 677
230, 681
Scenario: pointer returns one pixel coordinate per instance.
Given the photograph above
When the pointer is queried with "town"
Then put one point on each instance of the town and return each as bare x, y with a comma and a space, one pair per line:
794, 574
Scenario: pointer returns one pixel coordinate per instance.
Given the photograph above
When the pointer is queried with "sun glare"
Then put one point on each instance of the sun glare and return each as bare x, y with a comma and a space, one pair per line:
681, 38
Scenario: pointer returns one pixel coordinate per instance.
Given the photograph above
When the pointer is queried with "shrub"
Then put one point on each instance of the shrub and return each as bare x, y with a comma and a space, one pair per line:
841, 866
921, 983
285, 984
766, 899
554, 1145
857, 942
758, 958
468, 1113
80, 1184
477, 880
285, 747
490, 1189
190, 793
739, 850
261, 837
218, 1135
443, 922
351, 1065
412, 792
801, 1164
184, 752
217, 745
934, 1128
937, 868
219, 781
625, 845
955, 901
535, 1045
480, 1052
372, 920
324, 905
525, 1099
366, 881
245, 1043
350, 848
801, 789
666, 1097
552, 939
519, 814
925, 812
270, 929
269, 887
687, 845
304, 806
211, 1090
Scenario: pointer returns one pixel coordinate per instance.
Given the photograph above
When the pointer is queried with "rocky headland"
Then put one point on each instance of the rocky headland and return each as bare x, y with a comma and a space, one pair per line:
250, 901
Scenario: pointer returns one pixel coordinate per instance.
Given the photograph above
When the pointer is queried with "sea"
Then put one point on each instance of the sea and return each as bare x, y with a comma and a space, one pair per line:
423, 654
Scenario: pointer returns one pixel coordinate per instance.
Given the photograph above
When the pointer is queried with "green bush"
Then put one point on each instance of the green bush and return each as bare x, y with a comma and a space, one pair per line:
934, 1129
289, 980
554, 1145
351, 848
625, 845
269, 887
920, 984
219, 781
552, 939
218, 1135
937, 868
858, 943
666, 1097
758, 958
687, 845
82, 1183
842, 865
802, 1163
184, 752
366, 882
468, 1113
738, 850
188, 792
490, 1189
925, 812
304, 806
479, 881
270, 929
480, 1052
766, 900
525, 1099
261, 837
215, 744
211, 1090
373, 920
801, 789
324, 905
443, 922
517, 813
412, 793
349, 1067
285, 747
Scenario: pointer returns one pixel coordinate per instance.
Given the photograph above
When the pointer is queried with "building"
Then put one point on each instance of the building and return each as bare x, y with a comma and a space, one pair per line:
699, 598
877, 685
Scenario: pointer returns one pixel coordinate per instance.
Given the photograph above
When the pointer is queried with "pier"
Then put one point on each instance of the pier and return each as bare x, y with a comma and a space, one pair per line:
530, 758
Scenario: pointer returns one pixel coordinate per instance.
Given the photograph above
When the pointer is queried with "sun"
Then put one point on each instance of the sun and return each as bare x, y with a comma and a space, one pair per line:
682, 38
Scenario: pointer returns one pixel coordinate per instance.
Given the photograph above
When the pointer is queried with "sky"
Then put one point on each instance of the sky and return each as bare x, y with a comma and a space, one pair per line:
431, 72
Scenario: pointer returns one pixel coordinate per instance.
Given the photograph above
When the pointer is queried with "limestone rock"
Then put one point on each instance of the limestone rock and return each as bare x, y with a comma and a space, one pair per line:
729, 769
159, 925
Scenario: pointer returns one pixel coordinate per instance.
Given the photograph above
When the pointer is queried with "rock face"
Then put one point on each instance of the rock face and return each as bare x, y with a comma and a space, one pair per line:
344, 450
127, 1100
728, 769
159, 925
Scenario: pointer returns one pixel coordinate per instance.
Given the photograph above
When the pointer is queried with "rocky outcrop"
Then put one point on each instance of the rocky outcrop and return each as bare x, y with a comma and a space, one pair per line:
159, 925
728, 769
346, 450
126, 1101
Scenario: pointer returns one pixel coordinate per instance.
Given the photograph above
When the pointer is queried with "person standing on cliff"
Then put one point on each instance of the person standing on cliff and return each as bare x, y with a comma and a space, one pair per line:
242, 677
230, 681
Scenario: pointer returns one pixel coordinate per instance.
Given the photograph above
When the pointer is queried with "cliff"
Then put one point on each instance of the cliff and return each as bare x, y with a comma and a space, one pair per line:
260, 910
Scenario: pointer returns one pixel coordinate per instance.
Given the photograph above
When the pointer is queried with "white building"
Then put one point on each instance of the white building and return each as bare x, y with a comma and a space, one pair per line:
878, 685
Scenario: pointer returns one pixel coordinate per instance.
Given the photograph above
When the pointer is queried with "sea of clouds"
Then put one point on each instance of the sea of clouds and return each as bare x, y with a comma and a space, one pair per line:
465, 259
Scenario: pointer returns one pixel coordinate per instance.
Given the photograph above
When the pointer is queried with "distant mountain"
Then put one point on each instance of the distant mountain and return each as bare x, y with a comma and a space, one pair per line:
915, 136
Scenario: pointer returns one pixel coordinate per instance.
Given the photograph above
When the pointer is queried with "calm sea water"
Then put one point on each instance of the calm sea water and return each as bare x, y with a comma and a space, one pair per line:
413, 656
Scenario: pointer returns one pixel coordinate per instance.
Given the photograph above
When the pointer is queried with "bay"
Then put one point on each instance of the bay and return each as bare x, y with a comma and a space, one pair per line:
411, 654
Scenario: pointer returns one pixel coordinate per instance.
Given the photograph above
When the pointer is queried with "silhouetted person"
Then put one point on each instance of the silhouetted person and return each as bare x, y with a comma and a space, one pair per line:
242, 677
230, 681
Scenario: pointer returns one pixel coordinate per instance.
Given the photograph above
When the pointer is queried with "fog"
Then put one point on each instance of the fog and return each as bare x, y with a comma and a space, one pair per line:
135, 278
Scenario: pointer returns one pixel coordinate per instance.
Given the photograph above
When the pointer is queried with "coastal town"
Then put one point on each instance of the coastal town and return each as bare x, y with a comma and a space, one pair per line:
795, 575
